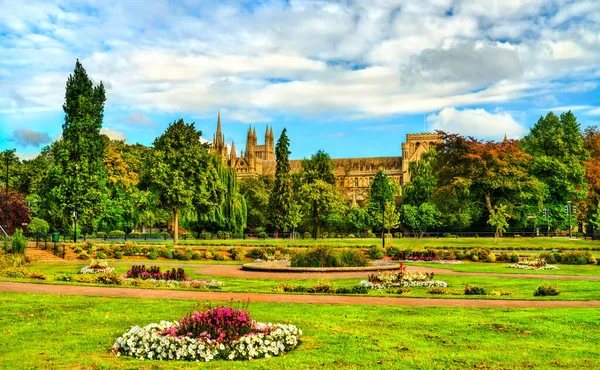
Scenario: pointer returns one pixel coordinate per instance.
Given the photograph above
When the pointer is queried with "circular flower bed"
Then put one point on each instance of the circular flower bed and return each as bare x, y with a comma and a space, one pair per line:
96, 267
220, 333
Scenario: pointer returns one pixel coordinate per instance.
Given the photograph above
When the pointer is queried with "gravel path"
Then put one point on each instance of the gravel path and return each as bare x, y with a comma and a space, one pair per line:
285, 298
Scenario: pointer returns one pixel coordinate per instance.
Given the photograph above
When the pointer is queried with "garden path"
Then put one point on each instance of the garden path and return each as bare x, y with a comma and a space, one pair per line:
284, 298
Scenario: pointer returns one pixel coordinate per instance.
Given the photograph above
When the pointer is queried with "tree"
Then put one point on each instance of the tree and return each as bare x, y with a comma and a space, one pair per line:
422, 183
589, 208
322, 197
78, 173
7, 159
420, 218
38, 226
391, 217
318, 167
295, 217
281, 196
181, 173
473, 177
381, 193
358, 220
559, 154
499, 220
17, 214
257, 192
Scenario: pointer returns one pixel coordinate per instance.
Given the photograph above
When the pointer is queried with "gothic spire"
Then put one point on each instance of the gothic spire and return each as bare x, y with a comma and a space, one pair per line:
232, 153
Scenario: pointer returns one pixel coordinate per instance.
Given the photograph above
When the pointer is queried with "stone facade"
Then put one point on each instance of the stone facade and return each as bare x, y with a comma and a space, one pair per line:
353, 175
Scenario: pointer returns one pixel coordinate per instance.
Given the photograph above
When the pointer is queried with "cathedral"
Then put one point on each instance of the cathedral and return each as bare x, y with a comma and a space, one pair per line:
353, 175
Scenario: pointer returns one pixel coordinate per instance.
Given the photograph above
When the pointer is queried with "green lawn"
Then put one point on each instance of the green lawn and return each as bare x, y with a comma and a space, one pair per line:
48, 331
502, 268
520, 288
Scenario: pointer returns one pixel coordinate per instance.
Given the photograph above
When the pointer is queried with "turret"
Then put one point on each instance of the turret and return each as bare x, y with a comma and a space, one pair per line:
232, 156
249, 143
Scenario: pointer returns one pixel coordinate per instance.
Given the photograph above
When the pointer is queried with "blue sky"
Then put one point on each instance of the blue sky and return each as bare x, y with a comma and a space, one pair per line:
351, 77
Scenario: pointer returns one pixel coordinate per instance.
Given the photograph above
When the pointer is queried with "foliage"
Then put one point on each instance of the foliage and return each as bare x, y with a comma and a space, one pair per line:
19, 242
474, 290
576, 257
17, 214
353, 258
153, 272
316, 257
116, 234
182, 174
422, 183
76, 178
391, 217
38, 226
559, 158
546, 290
321, 197
358, 219
420, 218
375, 252
381, 194
318, 167
256, 192
498, 219
281, 200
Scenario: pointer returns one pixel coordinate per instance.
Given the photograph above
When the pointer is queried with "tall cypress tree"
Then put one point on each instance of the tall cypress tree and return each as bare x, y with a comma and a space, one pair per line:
281, 197
78, 173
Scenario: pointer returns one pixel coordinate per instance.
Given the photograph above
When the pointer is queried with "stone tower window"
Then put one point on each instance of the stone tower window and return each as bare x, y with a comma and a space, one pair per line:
355, 182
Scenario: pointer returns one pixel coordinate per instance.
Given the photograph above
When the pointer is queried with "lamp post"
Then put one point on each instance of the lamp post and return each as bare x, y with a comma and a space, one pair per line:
569, 216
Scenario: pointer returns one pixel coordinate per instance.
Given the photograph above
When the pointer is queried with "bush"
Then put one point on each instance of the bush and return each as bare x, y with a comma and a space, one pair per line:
218, 257
514, 258
306, 235
316, 257
153, 255
375, 252
549, 257
481, 254
442, 291
19, 242
576, 257
321, 286
101, 255
393, 251
398, 235
503, 257
101, 235
350, 236
118, 255
196, 256
206, 235
238, 254
83, 256
404, 290
135, 235
460, 256
111, 278
283, 287
353, 258
209, 254
116, 234
474, 290
546, 290
262, 235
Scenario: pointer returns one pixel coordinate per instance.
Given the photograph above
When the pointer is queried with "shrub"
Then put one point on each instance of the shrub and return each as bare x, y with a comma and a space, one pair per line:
576, 257
514, 258
404, 290
321, 286
238, 254
353, 258
474, 290
283, 287
206, 235
135, 235
83, 256
101, 255
118, 255
165, 253
111, 278
196, 256
218, 257
19, 242
398, 235
481, 254
209, 254
263, 235
153, 255
36, 275
393, 251
375, 252
549, 257
306, 235
460, 256
503, 257
153, 272
116, 234
546, 290
351, 236
164, 235
63, 278
258, 253
316, 257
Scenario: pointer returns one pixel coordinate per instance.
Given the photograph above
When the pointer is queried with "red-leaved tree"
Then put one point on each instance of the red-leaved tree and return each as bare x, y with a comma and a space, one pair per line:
14, 213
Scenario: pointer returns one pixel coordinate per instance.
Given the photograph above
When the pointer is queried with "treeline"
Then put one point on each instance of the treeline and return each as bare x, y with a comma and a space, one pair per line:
104, 185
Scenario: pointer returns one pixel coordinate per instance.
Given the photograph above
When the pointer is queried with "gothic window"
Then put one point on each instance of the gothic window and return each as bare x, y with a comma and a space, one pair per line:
355, 182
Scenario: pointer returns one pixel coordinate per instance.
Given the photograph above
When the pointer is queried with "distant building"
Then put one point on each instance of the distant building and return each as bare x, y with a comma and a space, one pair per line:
353, 175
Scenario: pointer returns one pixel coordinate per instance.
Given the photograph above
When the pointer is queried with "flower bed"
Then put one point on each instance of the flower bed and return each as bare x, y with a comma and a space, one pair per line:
96, 267
532, 264
154, 273
220, 333
428, 260
196, 284
403, 278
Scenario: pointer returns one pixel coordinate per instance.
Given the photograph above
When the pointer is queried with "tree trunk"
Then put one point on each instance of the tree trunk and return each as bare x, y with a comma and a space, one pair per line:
315, 222
176, 226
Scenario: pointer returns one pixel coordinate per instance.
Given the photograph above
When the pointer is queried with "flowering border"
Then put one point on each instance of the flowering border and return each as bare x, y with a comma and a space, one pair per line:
150, 343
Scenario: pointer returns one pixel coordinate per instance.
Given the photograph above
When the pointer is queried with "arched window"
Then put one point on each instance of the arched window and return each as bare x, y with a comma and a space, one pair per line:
355, 182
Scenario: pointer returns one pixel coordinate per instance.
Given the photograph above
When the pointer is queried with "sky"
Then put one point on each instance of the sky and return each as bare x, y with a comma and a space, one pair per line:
350, 77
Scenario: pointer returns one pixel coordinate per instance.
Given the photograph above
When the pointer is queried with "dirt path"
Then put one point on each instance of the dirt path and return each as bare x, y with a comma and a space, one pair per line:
285, 298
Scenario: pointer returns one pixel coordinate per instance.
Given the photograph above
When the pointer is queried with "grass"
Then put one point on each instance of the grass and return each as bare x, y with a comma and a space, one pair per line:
48, 331
520, 288
502, 268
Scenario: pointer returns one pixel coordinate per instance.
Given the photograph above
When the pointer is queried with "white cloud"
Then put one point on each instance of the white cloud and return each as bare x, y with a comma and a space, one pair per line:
476, 122
139, 119
113, 134
246, 116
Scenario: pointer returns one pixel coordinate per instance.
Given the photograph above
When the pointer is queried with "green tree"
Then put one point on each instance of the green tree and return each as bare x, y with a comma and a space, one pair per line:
322, 197
318, 167
391, 217
420, 218
77, 173
381, 193
422, 183
559, 155
257, 192
37, 226
358, 220
499, 220
182, 174
281, 196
